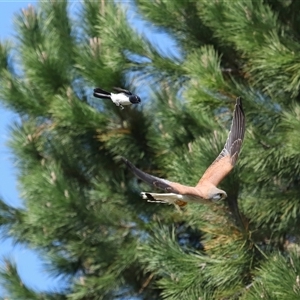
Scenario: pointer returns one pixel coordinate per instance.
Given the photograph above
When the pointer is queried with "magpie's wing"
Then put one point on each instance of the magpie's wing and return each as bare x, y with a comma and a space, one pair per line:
122, 91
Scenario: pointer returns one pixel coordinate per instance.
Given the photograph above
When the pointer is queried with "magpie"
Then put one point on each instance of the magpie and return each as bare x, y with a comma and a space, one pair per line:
123, 97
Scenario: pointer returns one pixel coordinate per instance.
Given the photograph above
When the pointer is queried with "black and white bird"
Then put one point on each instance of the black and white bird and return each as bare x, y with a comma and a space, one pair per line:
123, 97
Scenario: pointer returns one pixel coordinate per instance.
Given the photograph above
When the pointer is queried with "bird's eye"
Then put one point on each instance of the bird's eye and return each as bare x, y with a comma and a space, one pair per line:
217, 197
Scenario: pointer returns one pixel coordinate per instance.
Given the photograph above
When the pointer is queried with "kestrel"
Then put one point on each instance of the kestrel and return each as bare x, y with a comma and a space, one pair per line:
206, 190
124, 97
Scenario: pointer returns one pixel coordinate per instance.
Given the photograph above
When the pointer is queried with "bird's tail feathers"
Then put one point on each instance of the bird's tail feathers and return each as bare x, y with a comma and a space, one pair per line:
100, 93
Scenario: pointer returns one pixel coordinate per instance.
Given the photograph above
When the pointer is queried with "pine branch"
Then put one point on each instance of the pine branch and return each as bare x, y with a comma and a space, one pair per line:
13, 284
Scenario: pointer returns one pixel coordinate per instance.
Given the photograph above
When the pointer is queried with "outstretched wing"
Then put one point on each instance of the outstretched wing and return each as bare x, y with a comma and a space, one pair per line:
226, 160
160, 183
122, 91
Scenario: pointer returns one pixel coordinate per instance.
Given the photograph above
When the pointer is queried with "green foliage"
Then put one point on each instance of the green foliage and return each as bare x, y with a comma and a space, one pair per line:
277, 278
82, 210
4, 55
11, 281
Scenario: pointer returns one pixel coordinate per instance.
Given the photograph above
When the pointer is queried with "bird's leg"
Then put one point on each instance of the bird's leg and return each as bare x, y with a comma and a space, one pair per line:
119, 104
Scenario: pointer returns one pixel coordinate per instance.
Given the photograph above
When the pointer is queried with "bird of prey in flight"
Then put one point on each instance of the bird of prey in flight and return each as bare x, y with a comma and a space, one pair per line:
206, 190
123, 97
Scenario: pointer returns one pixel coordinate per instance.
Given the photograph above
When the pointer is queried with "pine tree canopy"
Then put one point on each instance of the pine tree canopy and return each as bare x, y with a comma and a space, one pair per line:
82, 208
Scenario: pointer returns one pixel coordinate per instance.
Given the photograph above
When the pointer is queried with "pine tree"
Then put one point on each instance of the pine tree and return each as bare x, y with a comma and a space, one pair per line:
83, 212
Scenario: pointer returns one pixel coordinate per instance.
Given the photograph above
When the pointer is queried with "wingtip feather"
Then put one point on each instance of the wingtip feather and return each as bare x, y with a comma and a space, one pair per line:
127, 162
121, 90
123, 159
239, 104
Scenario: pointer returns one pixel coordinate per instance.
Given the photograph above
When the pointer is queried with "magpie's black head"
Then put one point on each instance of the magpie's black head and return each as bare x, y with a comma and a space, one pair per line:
134, 99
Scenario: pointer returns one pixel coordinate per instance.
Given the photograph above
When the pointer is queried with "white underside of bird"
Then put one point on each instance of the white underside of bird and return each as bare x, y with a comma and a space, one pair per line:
169, 198
120, 99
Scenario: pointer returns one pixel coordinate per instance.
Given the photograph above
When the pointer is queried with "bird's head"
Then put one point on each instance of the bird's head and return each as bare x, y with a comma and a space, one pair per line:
134, 99
217, 195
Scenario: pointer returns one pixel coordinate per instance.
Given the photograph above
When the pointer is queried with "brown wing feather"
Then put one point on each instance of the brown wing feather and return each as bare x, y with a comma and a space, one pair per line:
150, 179
226, 160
